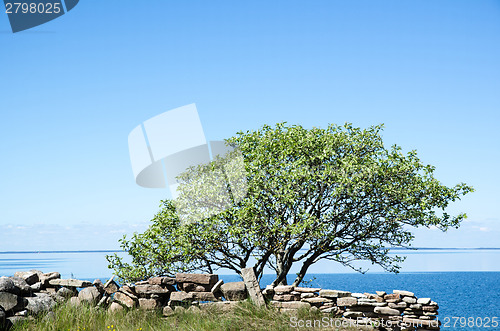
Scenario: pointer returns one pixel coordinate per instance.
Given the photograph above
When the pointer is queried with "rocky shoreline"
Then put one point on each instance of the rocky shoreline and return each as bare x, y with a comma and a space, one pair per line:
31, 293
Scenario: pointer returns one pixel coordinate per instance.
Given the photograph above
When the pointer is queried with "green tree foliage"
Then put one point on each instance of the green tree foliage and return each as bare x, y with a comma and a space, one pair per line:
312, 194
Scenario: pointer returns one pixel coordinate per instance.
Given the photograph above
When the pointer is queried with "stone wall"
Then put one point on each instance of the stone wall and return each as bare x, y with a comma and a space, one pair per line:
31, 293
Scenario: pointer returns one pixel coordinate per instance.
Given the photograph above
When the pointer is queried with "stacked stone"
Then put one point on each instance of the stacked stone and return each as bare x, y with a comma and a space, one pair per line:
30, 293
194, 288
285, 297
422, 312
150, 294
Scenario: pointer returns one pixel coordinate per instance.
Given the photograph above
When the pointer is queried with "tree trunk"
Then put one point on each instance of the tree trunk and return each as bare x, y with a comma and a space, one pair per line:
301, 274
281, 270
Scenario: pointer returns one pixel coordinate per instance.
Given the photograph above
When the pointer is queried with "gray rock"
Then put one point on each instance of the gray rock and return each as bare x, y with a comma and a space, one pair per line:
179, 309
284, 297
67, 292
404, 293
161, 281
58, 298
37, 287
193, 287
129, 290
283, 289
145, 290
204, 296
7, 285
99, 285
45, 278
307, 295
90, 295
334, 294
70, 282
347, 302
31, 277
111, 287
149, 304
207, 279
424, 301
168, 311
329, 310
181, 296
125, 299
11, 302
307, 289
22, 285
114, 307
359, 295
381, 293
234, 291
253, 287
387, 311
194, 309
3, 316
399, 305
291, 304
41, 303
317, 300
409, 300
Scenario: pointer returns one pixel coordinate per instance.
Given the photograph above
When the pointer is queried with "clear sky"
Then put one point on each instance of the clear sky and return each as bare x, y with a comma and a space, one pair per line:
71, 91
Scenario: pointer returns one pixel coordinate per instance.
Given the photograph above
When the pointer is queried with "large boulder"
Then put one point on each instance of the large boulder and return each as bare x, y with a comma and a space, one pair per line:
334, 294
234, 291
125, 300
11, 302
90, 295
114, 307
181, 296
149, 304
67, 292
70, 282
207, 279
161, 281
290, 304
147, 290
387, 311
111, 287
204, 296
31, 277
347, 302
22, 285
193, 287
3, 315
253, 287
7, 285
45, 278
40, 303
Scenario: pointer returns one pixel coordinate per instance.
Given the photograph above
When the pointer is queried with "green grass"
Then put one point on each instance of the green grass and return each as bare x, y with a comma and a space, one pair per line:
245, 316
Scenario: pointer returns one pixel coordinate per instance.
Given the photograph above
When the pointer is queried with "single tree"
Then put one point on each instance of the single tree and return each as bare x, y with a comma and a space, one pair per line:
311, 194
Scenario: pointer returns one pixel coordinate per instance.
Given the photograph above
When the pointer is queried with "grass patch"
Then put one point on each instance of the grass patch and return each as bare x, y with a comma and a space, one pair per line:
245, 316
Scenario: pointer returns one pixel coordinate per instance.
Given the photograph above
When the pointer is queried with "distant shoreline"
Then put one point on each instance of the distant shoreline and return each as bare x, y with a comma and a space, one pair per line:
119, 251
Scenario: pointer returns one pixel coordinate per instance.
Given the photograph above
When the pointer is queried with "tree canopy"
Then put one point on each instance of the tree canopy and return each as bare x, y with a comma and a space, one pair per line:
311, 194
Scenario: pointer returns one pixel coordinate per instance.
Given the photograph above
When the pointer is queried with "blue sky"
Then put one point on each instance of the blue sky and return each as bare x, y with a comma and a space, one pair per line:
73, 89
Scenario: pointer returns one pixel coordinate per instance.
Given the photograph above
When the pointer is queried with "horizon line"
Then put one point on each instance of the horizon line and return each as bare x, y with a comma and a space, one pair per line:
119, 251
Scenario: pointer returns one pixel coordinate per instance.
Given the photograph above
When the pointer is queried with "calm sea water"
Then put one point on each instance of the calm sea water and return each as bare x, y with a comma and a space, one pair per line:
459, 293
